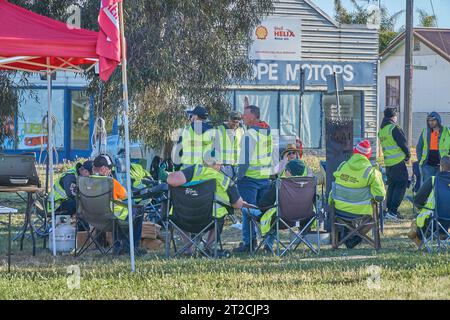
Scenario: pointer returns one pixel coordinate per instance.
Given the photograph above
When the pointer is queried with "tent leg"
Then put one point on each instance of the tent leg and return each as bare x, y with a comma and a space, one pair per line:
126, 109
50, 153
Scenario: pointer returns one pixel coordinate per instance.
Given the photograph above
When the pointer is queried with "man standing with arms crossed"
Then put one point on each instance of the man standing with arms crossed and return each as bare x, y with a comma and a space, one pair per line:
254, 169
396, 155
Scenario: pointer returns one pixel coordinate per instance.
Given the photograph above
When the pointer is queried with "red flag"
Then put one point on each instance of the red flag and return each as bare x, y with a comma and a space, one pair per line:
108, 43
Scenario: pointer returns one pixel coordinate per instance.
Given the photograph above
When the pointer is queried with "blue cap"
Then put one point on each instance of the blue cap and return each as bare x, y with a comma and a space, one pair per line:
199, 111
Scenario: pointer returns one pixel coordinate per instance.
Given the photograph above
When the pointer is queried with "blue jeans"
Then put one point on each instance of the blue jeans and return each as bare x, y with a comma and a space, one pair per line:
251, 190
428, 172
257, 214
123, 231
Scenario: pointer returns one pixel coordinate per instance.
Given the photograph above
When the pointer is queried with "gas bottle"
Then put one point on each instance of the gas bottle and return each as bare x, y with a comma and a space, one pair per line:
64, 235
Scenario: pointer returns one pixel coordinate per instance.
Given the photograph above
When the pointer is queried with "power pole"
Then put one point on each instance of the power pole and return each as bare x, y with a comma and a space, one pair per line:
408, 70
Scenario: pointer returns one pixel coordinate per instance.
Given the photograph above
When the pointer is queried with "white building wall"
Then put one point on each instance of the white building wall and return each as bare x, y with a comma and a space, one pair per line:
431, 89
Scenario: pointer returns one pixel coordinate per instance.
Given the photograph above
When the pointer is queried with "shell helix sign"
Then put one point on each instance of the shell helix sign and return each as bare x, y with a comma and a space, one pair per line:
277, 38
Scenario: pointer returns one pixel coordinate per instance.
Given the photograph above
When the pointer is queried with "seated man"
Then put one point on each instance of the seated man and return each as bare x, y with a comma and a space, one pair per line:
292, 152
359, 183
425, 200
65, 188
294, 168
226, 190
103, 167
138, 173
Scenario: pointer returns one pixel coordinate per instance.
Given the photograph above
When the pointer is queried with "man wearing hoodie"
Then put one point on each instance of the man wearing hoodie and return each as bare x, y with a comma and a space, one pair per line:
357, 184
254, 169
196, 139
396, 155
433, 145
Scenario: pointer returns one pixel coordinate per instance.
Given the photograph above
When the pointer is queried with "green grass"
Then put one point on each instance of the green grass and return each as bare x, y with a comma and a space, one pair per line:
342, 274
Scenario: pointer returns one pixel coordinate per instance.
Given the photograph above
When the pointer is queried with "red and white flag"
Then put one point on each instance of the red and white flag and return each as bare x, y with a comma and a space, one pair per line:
108, 43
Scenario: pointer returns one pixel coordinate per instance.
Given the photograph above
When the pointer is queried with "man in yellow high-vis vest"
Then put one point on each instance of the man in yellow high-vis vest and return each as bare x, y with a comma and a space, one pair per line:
226, 190
294, 168
425, 201
65, 188
396, 154
255, 168
357, 184
195, 139
228, 143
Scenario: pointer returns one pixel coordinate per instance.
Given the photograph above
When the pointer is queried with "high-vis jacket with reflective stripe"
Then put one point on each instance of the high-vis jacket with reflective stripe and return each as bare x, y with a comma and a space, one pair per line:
260, 155
204, 173
60, 193
229, 144
393, 154
195, 145
444, 144
357, 184
427, 211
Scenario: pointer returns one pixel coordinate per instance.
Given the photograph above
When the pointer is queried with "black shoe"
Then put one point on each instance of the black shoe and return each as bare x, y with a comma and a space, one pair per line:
353, 242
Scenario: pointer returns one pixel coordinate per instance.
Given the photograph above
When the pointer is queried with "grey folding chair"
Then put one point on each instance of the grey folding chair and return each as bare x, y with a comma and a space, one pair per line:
95, 212
296, 213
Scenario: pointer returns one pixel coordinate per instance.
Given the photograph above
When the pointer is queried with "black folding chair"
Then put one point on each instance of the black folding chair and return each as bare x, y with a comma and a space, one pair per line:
192, 209
95, 213
436, 236
354, 225
296, 213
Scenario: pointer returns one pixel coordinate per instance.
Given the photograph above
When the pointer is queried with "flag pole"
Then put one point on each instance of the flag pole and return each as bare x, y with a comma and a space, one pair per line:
126, 108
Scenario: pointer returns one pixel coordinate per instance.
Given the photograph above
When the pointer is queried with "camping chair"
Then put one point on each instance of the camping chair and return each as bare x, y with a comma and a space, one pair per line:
192, 209
436, 235
354, 224
95, 212
295, 201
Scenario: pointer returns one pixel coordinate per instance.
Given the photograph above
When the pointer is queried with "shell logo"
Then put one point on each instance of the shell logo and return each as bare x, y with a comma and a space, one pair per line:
262, 33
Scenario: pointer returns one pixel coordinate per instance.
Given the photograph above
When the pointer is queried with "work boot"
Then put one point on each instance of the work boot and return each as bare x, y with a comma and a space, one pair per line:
245, 248
417, 241
413, 231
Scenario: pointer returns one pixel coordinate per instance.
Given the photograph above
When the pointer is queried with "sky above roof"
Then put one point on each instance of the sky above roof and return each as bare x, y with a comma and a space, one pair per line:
441, 7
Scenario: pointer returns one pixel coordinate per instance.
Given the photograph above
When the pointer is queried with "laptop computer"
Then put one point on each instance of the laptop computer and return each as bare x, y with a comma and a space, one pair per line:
18, 170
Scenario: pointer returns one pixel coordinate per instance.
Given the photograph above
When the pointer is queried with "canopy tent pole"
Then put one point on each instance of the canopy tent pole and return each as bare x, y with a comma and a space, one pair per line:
126, 108
50, 152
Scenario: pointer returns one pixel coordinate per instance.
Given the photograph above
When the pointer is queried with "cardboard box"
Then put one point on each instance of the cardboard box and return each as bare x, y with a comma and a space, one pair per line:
82, 236
151, 230
151, 244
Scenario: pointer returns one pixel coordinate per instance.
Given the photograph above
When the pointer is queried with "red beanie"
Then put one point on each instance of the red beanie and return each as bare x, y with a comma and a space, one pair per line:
364, 148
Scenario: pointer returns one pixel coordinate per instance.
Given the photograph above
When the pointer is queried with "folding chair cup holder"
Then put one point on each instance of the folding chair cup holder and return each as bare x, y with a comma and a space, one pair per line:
295, 203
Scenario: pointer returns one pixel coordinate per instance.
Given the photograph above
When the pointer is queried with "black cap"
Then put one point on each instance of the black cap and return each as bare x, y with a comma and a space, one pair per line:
390, 112
235, 115
103, 161
199, 111
88, 165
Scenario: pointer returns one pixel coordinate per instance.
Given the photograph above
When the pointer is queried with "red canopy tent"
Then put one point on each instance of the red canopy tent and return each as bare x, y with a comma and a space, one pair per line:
31, 42
34, 43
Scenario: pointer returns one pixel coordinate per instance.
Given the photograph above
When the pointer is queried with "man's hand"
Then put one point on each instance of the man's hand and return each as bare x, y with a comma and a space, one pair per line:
249, 206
